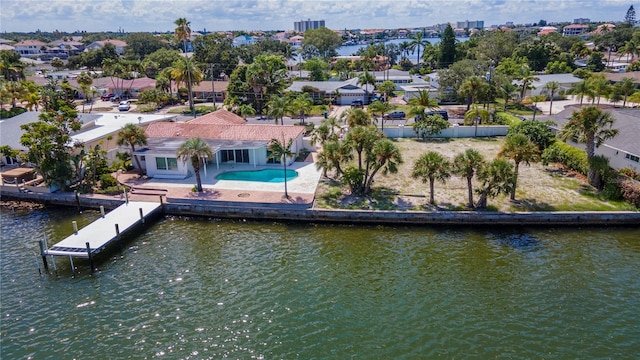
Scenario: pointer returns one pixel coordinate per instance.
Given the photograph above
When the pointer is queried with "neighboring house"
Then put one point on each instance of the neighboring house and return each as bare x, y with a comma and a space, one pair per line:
118, 44
29, 48
412, 91
231, 139
623, 151
244, 40
204, 89
574, 29
398, 77
538, 86
97, 128
342, 92
617, 77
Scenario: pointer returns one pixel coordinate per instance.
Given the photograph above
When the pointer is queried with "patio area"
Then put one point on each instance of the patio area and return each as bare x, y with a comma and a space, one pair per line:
301, 190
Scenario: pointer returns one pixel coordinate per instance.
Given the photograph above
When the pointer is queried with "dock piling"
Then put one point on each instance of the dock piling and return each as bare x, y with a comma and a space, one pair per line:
102, 211
73, 268
75, 227
90, 256
118, 238
141, 216
44, 257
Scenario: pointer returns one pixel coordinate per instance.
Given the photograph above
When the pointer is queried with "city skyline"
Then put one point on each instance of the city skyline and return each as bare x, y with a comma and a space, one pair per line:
159, 15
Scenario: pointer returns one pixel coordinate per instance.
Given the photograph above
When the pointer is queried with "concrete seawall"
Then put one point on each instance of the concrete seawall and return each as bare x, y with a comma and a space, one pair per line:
286, 213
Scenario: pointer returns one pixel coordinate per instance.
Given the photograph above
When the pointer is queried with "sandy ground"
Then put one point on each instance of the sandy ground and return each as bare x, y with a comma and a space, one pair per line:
539, 187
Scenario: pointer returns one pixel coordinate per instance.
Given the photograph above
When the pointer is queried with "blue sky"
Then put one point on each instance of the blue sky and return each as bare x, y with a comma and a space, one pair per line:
214, 15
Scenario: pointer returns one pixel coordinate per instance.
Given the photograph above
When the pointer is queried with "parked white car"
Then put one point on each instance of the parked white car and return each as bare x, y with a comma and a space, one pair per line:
124, 106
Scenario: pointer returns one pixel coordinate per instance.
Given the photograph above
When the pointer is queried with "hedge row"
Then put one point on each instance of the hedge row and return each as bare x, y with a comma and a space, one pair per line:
574, 159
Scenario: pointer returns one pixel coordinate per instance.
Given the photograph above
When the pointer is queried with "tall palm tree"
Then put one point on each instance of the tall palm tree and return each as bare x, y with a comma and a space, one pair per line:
431, 166
379, 107
195, 150
552, 87
507, 91
465, 165
281, 151
302, 105
418, 42
278, 107
519, 148
592, 127
182, 34
424, 99
527, 80
476, 116
367, 78
535, 99
132, 135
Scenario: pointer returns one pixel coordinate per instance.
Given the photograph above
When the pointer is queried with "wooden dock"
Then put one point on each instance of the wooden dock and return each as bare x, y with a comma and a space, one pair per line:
95, 237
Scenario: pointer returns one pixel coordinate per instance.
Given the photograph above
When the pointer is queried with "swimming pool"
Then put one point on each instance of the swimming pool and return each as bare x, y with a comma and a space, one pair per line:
265, 175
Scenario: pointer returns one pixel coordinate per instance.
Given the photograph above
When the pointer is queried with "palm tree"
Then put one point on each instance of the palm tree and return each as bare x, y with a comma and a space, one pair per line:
476, 116
535, 99
246, 110
600, 85
592, 127
526, 83
507, 91
472, 87
182, 34
581, 88
552, 87
625, 87
84, 80
131, 135
278, 106
424, 99
384, 156
465, 165
519, 148
279, 151
195, 149
379, 107
356, 117
302, 105
431, 166
366, 78
496, 178
418, 42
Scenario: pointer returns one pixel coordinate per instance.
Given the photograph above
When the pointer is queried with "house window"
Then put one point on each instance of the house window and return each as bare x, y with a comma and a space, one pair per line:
632, 157
163, 163
238, 155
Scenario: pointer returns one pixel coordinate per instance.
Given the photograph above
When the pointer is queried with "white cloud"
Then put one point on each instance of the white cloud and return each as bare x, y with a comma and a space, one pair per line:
158, 15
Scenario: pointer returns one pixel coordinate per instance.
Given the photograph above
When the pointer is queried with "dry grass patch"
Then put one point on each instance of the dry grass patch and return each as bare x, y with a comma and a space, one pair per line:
540, 188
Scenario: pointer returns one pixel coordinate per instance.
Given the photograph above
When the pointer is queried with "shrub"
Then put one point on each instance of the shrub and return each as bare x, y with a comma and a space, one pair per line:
107, 181
567, 155
630, 173
630, 190
14, 111
503, 118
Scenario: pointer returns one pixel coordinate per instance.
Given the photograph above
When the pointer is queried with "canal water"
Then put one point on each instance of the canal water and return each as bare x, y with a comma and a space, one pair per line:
198, 288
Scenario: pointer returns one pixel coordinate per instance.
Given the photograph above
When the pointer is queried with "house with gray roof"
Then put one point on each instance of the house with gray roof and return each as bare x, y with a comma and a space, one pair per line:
342, 92
623, 151
537, 87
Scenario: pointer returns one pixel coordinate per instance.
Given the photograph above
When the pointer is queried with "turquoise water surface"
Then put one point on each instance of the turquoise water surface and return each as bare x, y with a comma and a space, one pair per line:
265, 175
204, 288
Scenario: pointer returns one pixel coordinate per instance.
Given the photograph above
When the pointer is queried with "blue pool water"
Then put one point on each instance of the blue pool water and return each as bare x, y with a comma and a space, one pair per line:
266, 175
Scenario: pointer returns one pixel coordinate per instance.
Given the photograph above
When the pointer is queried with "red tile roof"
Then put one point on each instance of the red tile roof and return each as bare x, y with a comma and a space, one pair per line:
220, 117
249, 132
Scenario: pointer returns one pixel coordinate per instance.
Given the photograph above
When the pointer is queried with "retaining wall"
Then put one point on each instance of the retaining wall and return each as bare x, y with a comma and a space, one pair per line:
292, 213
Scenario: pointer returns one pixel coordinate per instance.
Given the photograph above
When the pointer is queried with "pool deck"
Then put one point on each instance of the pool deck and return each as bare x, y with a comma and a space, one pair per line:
301, 190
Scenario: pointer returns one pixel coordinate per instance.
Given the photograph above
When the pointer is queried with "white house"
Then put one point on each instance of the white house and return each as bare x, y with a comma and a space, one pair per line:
231, 139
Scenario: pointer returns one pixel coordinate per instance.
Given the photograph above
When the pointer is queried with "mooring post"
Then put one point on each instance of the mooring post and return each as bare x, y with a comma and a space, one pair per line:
44, 257
75, 227
160, 199
102, 211
73, 267
75, 193
38, 265
53, 262
126, 197
141, 216
90, 256
118, 238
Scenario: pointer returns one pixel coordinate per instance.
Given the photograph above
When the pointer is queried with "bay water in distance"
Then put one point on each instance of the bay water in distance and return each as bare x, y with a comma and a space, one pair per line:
200, 288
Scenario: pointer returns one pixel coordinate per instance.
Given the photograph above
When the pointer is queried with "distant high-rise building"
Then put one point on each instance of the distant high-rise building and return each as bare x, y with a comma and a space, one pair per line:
478, 24
302, 25
581, 21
